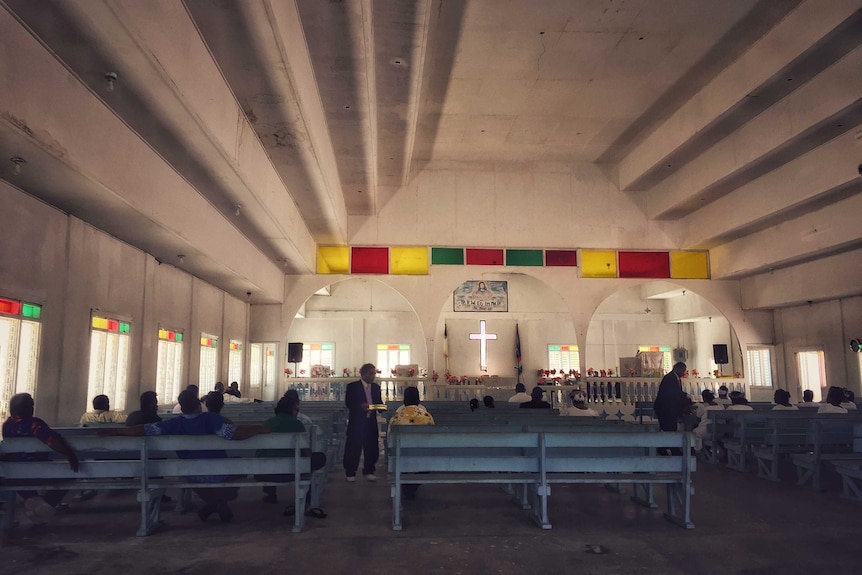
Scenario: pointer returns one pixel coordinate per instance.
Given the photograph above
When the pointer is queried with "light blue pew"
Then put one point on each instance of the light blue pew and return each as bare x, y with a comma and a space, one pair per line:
150, 465
431, 454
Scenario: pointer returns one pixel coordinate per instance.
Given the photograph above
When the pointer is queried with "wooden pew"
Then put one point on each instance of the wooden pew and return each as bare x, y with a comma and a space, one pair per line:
150, 465
833, 442
535, 459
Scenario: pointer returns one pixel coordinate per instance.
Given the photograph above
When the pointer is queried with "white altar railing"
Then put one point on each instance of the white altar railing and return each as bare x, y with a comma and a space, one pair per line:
619, 391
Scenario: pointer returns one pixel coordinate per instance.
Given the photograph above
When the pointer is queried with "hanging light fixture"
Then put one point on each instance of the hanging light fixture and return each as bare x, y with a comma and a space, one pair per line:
18, 161
110, 79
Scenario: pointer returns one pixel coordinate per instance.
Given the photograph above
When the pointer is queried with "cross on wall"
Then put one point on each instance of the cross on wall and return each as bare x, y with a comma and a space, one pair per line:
483, 338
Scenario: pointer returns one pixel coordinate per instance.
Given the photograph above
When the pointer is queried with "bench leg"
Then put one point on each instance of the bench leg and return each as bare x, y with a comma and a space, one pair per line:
850, 489
679, 496
804, 472
184, 501
396, 504
8, 498
540, 495
299, 495
647, 499
150, 511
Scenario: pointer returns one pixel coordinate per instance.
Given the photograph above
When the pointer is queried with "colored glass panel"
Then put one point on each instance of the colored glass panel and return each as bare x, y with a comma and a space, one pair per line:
10, 307
644, 264
598, 264
369, 260
561, 257
30, 310
484, 257
124, 327
689, 265
100, 322
524, 258
447, 256
163, 334
408, 261
333, 260
177, 336
113, 325
327, 346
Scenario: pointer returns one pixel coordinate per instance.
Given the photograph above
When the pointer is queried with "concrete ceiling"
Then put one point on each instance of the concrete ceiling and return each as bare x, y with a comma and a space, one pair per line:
275, 120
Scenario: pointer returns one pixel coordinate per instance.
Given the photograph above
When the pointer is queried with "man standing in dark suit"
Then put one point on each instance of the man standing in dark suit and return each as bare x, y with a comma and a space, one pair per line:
670, 401
362, 433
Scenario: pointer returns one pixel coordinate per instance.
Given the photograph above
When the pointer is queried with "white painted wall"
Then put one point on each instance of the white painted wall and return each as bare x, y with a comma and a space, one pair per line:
70, 268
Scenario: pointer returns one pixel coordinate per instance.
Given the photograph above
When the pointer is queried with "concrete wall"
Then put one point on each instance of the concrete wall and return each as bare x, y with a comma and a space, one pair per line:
72, 270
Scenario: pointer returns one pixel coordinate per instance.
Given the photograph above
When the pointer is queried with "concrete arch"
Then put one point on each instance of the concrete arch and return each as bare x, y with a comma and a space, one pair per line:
671, 314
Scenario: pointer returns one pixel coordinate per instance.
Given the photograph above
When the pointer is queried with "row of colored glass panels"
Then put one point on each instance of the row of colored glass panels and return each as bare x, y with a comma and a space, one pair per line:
235, 346
593, 263
392, 347
313, 346
169, 335
110, 324
562, 348
12, 307
209, 342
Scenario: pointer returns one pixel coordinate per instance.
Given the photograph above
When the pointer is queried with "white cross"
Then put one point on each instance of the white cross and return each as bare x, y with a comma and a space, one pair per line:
483, 344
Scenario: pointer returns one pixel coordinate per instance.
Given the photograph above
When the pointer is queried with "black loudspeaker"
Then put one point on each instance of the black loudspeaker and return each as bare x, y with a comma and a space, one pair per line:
294, 352
719, 352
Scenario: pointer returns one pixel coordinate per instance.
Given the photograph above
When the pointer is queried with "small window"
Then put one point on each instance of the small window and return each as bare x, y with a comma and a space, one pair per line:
759, 366
109, 361
209, 363
812, 372
234, 362
391, 354
169, 367
564, 358
20, 336
318, 360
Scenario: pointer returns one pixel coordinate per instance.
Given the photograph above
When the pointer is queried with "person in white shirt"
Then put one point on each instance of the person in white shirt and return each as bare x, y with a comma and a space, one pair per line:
834, 398
738, 402
722, 398
849, 402
781, 398
703, 428
808, 399
520, 394
579, 406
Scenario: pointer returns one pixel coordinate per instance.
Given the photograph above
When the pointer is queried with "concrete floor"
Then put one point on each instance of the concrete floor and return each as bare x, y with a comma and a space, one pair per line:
743, 525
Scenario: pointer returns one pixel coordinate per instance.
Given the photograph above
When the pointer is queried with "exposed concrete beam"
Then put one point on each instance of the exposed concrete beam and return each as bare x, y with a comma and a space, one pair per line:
825, 175
838, 276
829, 104
78, 139
727, 101
831, 230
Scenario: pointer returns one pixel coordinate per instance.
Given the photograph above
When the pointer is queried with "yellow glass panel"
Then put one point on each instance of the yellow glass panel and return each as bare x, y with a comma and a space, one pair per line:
100, 322
408, 261
333, 260
689, 265
598, 264
163, 334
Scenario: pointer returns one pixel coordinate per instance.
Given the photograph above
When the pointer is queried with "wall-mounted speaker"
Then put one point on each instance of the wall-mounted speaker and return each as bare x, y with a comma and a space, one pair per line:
719, 353
294, 352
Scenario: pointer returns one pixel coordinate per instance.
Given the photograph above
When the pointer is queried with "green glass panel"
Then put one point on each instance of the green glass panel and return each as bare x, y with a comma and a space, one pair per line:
553, 348
525, 258
326, 346
179, 336
124, 327
447, 256
30, 310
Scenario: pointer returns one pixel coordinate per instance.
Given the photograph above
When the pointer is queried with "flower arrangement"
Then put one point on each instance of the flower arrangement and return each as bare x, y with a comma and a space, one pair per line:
411, 372
695, 373
434, 376
463, 380
393, 372
423, 372
301, 372
287, 371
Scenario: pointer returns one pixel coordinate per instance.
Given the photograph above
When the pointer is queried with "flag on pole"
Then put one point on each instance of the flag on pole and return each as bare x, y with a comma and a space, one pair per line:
446, 345
518, 367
